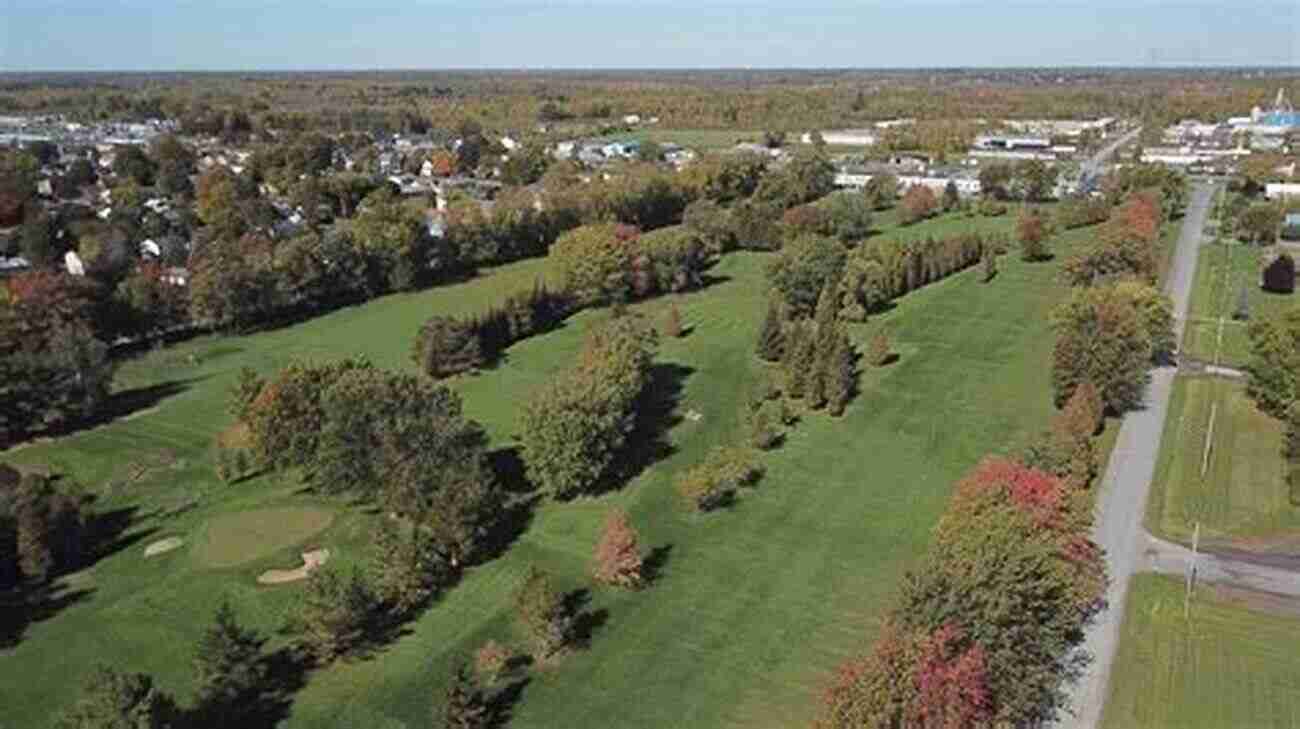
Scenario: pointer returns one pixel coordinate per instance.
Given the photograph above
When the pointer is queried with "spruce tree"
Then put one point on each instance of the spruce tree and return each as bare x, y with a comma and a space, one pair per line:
771, 338
800, 359
466, 707
840, 375
228, 665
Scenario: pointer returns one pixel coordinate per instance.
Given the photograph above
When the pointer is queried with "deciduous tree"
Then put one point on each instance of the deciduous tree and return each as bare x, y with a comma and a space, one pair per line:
618, 559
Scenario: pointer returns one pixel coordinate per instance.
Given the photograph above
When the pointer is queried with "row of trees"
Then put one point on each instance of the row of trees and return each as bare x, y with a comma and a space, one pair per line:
869, 276
574, 428
984, 631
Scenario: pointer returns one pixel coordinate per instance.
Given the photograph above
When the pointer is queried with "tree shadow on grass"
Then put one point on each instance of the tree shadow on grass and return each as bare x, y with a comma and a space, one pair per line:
586, 622
501, 702
656, 415
23, 607
652, 567
516, 512
268, 704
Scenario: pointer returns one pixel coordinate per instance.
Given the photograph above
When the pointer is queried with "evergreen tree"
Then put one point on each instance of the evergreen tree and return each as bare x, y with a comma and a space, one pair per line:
111, 699
334, 612
228, 665
800, 358
466, 707
841, 375
771, 338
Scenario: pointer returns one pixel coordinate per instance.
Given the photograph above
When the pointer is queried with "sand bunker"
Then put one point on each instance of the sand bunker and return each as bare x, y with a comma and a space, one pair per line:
310, 561
163, 546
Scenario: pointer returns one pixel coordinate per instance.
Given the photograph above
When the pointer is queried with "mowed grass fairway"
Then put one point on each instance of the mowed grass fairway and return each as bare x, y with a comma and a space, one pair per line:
754, 606
1227, 667
1243, 492
1222, 270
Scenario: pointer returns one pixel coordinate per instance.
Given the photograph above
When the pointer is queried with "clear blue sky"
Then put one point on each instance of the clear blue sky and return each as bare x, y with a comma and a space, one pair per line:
353, 34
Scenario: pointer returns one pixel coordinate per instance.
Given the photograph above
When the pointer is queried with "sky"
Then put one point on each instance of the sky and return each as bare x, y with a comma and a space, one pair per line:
37, 35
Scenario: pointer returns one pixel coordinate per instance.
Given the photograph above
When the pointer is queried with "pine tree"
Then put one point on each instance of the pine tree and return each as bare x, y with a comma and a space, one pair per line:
771, 338
228, 664
466, 707
841, 375
618, 553
800, 359
879, 349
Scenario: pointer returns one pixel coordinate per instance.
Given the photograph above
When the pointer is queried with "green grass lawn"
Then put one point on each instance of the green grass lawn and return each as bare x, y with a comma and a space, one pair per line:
1227, 667
1212, 335
1243, 493
755, 605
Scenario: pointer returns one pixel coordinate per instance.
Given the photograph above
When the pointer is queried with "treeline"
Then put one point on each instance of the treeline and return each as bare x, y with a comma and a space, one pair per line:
986, 628
1274, 382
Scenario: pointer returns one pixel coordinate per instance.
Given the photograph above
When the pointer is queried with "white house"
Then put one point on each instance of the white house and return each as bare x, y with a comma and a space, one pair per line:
1279, 190
632, 119
150, 248
844, 137
510, 143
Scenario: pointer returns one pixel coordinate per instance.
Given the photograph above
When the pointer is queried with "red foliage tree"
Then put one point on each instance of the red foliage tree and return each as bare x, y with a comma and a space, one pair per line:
1036, 493
951, 678
618, 553
1140, 216
917, 204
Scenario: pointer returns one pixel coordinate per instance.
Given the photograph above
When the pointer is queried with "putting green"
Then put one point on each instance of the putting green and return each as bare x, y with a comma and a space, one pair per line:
234, 539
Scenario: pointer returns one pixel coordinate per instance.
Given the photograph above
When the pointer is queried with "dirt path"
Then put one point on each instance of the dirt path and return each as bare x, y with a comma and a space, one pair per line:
1124, 487
1273, 574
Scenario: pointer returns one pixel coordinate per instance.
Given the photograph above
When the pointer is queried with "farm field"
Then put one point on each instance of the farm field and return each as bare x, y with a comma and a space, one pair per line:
1212, 334
754, 606
1228, 666
1244, 492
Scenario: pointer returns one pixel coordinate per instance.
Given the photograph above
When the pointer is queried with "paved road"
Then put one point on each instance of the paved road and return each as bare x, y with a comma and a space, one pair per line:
1092, 167
1127, 480
1277, 576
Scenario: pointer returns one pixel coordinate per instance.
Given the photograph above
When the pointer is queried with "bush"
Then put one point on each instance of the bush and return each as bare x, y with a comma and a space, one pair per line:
542, 613
765, 424
713, 483
1032, 231
618, 559
1293, 484
1279, 275
918, 203
446, 346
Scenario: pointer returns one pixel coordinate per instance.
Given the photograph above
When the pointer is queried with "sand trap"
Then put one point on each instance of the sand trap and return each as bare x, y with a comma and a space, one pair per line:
163, 546
310, 561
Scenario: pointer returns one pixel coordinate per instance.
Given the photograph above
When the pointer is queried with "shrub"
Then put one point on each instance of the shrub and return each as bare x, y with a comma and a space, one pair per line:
492, 661
714, 482
1279, 275
446, 346
542, 614
765, 424
990, 266
1275, 361
879, 349
1293, 484
673, 322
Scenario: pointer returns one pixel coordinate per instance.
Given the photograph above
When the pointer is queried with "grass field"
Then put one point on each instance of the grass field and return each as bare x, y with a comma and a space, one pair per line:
755, 605
1227, 667
1243, 493
1212, 335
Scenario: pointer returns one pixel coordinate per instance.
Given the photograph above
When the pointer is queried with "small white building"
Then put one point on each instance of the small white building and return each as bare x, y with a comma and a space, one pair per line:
1280, 190
72, 262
